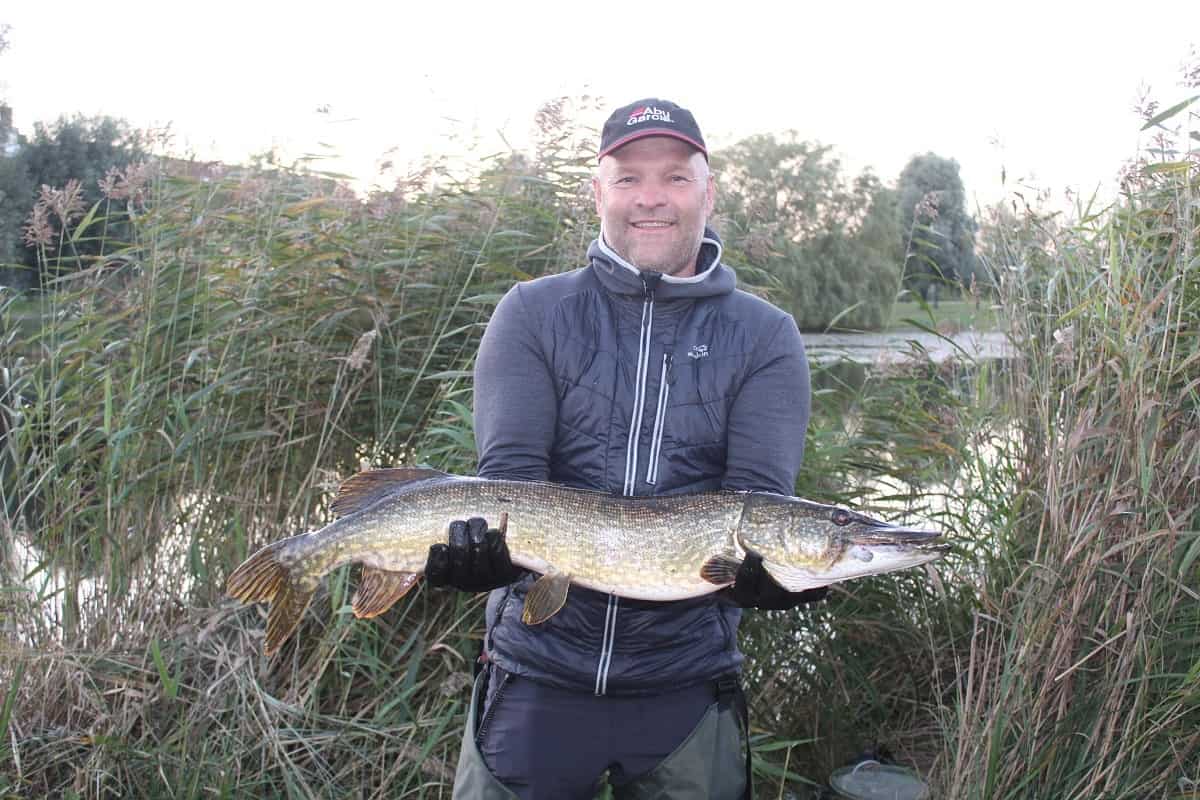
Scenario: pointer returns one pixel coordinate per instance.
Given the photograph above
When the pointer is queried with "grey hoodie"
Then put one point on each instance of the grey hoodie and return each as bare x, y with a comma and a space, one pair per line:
635, 383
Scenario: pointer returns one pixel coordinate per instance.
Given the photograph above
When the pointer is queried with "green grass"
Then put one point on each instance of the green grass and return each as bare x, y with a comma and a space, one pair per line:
21, 312
950, 316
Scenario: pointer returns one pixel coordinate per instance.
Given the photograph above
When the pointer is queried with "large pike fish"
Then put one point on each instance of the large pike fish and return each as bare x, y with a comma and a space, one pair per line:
647, 548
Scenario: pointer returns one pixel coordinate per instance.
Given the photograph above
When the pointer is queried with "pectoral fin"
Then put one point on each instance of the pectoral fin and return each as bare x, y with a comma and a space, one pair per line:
721, 569
379, 589
545, 598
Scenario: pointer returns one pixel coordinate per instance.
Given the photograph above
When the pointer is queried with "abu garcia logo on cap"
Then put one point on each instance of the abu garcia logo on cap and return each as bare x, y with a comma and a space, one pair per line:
649, 113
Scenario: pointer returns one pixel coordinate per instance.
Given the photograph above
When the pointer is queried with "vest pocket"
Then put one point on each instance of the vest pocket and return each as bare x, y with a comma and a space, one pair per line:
491, 704
666, 378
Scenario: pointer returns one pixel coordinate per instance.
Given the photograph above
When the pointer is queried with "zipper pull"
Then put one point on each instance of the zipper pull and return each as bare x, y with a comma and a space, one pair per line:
669, 360
650, 283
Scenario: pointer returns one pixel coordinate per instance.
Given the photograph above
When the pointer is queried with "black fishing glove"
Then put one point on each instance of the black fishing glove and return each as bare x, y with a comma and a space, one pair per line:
475, 559
754, 588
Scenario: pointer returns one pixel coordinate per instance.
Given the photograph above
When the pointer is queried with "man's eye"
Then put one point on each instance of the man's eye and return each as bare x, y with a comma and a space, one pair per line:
625, 179
680, 179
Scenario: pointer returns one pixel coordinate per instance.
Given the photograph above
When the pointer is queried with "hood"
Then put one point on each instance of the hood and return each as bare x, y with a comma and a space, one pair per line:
619, 276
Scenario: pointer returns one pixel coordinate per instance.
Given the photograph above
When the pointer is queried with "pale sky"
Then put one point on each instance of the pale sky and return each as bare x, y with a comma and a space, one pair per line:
1043, 89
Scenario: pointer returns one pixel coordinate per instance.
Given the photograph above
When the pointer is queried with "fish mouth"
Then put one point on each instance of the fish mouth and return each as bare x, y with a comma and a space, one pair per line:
873, 531
872, 549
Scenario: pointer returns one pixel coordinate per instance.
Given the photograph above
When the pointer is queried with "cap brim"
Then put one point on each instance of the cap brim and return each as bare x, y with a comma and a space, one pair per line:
644, 132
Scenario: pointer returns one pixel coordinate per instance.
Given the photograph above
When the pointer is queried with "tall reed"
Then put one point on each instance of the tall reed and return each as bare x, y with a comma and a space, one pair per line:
1056, 655
1082, 673
199, 391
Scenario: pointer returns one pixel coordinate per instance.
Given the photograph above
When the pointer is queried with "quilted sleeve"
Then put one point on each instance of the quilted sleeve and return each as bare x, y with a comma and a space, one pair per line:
769, 415
515, 402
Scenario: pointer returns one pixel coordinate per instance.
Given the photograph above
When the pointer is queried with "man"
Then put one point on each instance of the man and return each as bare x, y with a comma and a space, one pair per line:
645, 372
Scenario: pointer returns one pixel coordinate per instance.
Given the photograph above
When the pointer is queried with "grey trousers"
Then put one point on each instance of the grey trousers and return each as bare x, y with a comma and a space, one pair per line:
709, 763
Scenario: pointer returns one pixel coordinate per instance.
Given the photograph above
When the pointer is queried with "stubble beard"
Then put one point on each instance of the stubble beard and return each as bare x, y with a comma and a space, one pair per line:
679, 257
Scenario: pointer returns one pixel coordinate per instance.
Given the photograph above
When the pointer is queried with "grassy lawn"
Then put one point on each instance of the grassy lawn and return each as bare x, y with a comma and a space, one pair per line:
22, 311
949, 316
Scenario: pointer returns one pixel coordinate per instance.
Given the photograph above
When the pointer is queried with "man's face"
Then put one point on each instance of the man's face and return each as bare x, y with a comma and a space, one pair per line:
654, 196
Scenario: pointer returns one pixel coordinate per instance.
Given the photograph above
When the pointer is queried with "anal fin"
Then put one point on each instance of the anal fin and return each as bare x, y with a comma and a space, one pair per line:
545, 598
379, 589
721, 569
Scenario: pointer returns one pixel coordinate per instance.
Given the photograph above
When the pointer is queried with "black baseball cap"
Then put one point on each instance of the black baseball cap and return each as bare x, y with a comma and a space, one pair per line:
650, 117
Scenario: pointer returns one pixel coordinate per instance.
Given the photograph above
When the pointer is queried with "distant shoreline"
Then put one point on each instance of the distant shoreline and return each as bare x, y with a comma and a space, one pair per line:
894, 346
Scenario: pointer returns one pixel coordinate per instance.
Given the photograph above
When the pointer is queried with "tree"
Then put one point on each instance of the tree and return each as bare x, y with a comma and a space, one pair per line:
77, 148
16, 191
937, 234
786, 208
83, 148
15, 188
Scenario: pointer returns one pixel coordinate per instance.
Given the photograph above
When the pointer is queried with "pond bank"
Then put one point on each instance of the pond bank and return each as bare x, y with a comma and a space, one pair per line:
895, 346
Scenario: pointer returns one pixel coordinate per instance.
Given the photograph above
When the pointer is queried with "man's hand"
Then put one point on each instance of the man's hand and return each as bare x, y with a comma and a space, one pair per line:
475, 560
754, 588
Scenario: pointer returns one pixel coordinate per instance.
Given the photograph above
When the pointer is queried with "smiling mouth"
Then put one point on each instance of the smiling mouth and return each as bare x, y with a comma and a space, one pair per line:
651, 225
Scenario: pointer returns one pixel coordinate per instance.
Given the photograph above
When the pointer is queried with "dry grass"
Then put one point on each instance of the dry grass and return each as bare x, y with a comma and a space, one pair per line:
355, 711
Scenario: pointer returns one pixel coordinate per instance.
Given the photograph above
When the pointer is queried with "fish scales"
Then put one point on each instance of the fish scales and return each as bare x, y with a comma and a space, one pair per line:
548, 526
649, 548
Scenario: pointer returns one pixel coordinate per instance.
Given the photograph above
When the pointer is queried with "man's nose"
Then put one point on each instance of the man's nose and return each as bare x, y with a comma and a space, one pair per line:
651, 194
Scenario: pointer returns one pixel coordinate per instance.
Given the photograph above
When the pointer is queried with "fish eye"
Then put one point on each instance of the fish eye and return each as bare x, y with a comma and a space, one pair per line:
840, 516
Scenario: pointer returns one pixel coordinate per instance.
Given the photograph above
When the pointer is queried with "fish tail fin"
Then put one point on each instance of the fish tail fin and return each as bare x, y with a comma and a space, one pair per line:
259, 577
264, 578
287, 609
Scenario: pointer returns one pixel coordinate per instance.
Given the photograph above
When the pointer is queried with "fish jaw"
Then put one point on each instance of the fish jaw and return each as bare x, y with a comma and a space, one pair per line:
805, 544
857, 561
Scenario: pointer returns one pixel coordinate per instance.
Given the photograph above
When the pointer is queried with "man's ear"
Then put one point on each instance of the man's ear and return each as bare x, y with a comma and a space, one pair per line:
596, 192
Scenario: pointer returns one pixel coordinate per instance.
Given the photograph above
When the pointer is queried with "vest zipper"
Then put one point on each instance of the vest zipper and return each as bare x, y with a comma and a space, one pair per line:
649, 283
664, 391
606, 648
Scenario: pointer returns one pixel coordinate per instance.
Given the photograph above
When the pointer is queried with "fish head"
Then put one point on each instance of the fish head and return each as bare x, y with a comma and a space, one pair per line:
804, 544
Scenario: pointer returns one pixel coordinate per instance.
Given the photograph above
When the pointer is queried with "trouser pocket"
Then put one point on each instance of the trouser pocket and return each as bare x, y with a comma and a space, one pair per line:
710, 764
472, 779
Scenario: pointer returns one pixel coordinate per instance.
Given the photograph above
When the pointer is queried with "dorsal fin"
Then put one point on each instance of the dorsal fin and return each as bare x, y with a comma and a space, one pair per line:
365, 488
